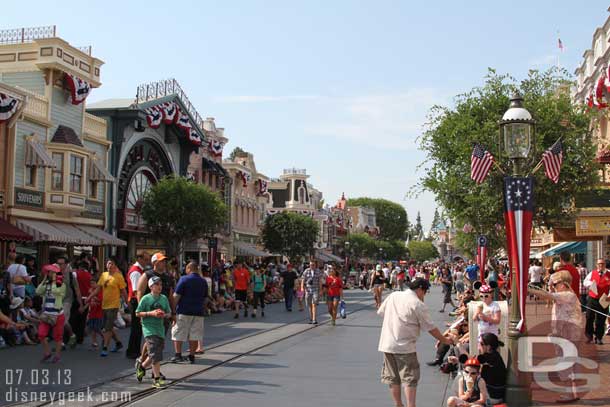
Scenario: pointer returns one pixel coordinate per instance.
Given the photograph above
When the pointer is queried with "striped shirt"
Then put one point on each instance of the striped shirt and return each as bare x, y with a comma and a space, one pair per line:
312, 280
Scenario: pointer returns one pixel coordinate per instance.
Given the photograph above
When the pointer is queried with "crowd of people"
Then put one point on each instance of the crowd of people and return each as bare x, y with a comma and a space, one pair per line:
63, 303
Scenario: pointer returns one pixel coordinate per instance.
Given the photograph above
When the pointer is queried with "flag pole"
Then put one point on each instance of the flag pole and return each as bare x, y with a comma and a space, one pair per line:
499, 168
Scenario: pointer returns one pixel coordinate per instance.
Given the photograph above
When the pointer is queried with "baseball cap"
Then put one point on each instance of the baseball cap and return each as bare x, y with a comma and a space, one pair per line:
419, 283
153, 280
157, 257
378, 267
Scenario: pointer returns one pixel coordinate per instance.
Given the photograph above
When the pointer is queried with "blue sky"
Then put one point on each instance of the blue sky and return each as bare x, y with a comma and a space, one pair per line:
341, 88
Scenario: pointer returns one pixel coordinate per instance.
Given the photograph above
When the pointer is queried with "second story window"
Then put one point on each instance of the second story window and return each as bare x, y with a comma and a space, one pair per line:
30, 176
76, 174
57, 173
93, 189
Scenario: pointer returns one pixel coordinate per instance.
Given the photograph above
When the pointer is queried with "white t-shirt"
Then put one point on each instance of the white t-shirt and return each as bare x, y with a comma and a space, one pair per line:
487, 327
386, 273
17, 270
535, 274
404, 316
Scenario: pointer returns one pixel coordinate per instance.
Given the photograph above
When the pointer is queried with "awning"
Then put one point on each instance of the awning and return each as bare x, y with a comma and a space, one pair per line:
213, 166
570, 247
106, 238
98, 172
55, 232
10, 232
245, 249
36, 155
328, 257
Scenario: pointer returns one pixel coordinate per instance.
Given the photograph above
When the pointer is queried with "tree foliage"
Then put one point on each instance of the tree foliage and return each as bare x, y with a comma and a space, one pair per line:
417, 232
362, 245
422, 250
236, 151
451, 133
290, 234
391, 217
179, 211
435, 222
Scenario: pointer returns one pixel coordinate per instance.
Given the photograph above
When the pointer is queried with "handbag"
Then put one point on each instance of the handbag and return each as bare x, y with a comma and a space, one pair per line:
48, 319
342, 310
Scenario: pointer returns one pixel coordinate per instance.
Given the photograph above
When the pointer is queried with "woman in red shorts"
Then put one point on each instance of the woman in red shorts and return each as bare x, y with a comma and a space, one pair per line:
334, 287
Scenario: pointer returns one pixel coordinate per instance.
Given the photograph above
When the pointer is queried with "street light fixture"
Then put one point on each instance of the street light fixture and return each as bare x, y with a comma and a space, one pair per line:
516, 136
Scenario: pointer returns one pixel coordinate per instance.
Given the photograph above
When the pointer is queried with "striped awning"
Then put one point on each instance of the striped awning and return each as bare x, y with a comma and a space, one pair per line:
54, 232
328, 257
106, 238
36, 155
98, 172
9, 232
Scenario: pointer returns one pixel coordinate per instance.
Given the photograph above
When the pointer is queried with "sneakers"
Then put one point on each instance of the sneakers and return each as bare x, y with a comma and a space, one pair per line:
253, 315
117, 347
333, 322
72, 341
236, 316
315, 322
140, 372
56, 359
262, 313
104, 352
245, 312
45, 358
192, 359
177, 359
158, 382
599, 342
435, 362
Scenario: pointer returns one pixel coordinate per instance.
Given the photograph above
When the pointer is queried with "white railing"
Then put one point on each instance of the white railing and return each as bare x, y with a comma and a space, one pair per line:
29, 34
95, 126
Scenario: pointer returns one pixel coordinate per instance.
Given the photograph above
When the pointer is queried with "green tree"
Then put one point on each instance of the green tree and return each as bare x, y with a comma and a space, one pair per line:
360, 245
180, 211
451, 133
290, 234
236, 151
391, 217
422, 251
417, 232
435, 222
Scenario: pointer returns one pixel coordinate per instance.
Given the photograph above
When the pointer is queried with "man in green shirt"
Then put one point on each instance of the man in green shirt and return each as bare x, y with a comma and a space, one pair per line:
153, 309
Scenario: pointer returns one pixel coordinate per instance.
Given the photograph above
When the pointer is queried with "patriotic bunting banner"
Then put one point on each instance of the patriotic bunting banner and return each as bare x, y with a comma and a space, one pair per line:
518, 215
183, 121
170, 112
552, 160
194, 137
599, 92
154, 117
482, 255
481, 161
79, 89
216, 148
8, 107
262, 186
245, 177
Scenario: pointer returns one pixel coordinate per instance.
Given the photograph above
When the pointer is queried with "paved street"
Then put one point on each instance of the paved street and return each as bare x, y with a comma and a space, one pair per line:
308, 367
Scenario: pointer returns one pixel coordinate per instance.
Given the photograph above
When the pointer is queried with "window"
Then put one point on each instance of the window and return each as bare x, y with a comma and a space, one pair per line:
76, 173
92, 189
30, 176
57, 173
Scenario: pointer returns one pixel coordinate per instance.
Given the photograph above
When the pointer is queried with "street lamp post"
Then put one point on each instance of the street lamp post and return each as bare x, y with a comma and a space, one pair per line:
347, 254
516, 136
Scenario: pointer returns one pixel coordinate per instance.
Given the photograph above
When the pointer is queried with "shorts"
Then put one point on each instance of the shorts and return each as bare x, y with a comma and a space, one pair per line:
95, 324
155, 345
57, 329
332, 298
109, 318
187, 328
312, 298
67, 308
400, 368
241, 295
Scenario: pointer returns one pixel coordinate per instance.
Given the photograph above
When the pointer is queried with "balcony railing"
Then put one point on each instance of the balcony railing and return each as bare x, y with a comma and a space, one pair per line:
29, 34
37, 106
95, 126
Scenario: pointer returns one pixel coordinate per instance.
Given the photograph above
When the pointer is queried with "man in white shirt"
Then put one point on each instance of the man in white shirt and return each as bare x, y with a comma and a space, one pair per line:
535, 273
404, 316
19, 276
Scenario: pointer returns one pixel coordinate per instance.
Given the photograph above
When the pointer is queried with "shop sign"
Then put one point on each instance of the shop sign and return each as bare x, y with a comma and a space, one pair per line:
593, 226
27, 197
94, 209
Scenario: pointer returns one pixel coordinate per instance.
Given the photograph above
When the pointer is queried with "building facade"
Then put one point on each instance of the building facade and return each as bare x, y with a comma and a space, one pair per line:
153, 136
54, 178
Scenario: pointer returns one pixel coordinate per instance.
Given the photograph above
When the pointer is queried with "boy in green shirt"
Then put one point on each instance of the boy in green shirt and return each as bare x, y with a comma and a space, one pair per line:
152, 310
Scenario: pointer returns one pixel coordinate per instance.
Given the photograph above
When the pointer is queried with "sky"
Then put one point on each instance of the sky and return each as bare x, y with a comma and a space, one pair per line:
340, 88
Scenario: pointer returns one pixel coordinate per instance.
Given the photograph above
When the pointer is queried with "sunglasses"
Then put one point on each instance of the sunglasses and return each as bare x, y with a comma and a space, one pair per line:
472, 372
485, 295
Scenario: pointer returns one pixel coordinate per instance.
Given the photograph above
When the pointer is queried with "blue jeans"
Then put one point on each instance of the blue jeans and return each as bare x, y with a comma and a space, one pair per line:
288, 294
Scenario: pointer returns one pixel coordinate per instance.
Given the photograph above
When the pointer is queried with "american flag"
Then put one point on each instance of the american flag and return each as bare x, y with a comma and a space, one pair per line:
552, 159
480, 164
560, 44
518, 215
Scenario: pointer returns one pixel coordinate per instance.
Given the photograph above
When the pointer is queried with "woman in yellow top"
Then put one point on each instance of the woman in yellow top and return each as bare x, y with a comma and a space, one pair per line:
113, 286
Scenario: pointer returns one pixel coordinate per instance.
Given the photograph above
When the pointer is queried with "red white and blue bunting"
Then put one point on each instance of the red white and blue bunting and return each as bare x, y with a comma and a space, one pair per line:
245, 177
170, 113
262, 186
154, 117
216, 148
79, 89
8, 107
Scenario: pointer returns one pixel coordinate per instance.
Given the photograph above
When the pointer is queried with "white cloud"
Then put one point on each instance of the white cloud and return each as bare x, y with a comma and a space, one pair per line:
263, 98
389, 121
